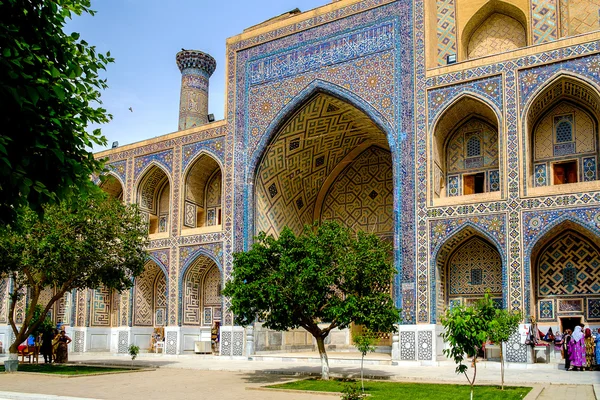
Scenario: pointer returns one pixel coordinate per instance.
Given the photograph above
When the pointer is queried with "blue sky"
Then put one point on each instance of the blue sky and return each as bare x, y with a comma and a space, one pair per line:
144, 35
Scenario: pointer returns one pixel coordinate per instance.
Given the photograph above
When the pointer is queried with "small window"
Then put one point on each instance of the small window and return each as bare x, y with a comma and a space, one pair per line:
474, 183
476, 276
569, 275
473, 147
564, 132
565, 172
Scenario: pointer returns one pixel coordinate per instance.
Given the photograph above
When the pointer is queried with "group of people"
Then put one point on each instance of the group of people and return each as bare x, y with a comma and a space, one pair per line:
55, 346
581, 349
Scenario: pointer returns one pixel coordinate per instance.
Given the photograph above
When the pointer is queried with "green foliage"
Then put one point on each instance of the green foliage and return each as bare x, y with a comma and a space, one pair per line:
504, 325
379, 390
49, 95
133, 351
364, 342
351, 391
82, 242
326, 274
45, 326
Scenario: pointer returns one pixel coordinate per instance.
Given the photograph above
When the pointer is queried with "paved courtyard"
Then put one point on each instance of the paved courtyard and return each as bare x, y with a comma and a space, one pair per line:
187, 377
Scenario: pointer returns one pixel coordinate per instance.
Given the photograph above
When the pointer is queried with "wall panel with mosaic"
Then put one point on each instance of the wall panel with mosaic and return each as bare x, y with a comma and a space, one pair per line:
472, 159
567, 272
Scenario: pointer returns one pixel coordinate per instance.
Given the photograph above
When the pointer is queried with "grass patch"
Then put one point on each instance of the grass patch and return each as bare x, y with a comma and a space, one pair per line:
412, 391
60, 369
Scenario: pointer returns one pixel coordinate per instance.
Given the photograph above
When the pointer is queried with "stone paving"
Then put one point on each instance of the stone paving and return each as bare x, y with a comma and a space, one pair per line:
183, 377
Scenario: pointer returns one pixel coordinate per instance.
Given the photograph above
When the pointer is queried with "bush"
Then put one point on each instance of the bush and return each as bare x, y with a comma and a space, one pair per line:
134, 351
352, 392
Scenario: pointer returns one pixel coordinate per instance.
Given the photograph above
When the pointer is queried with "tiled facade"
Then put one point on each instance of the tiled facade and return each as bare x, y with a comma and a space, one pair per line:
345, 113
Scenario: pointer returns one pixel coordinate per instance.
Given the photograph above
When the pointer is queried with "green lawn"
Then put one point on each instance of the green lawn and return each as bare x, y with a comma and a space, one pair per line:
412, 391
66, 369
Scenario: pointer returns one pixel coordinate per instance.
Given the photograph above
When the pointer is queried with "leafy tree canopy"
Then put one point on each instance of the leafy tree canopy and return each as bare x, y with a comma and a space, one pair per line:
326, 278
49, 94
81, 242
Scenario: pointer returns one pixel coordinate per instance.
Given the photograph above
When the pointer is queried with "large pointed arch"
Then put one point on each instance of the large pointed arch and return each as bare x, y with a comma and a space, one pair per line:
317, 87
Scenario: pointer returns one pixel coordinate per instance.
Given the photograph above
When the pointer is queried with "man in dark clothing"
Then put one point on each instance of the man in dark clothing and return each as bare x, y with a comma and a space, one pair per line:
566, 340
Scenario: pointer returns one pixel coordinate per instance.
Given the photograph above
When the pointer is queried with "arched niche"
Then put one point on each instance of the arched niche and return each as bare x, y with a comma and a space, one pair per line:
495, 28
466, 150
150, 297
112, 186
201, 302
467, 266
153, 198
565, 269
203, 194
562, 131
295, 178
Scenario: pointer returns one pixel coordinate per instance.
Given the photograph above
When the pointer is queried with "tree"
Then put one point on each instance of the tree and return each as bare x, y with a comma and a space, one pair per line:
364, 342
81, 242
328, 277
466, 330
49, 94
504, 324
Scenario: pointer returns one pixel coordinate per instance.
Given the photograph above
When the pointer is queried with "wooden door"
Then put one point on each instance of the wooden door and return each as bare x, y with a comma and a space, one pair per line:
469, 184
559, 174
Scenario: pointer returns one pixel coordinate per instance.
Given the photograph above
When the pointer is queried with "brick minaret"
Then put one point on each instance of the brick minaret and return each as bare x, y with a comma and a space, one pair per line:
196, 68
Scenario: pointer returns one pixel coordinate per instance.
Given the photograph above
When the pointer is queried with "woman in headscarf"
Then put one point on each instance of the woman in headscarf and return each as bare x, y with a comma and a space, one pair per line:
577, 349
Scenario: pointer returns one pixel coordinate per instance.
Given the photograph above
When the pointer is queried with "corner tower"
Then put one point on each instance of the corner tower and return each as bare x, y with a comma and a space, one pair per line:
196, 68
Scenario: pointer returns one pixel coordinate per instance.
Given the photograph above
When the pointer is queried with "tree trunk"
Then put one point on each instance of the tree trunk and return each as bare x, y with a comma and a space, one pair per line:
362, 380
324, 360
502, 364
474, 375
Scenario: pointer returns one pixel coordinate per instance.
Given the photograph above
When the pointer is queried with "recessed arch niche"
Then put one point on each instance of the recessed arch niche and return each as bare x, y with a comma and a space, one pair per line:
328, 160
203, 193
201, 302
467, 266
112, 186
466, 150
150, 297
562, 133
154, 197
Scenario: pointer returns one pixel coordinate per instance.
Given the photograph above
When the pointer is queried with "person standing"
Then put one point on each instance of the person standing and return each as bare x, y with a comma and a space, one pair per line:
577, 349
46, 349
62, 352
589, 349
566, 349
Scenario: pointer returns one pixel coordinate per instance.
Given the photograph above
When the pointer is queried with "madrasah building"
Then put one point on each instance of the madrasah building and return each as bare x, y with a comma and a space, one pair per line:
464, 131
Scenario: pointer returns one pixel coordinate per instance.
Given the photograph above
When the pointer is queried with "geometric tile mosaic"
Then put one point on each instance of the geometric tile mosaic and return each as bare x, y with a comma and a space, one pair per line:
543, 13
